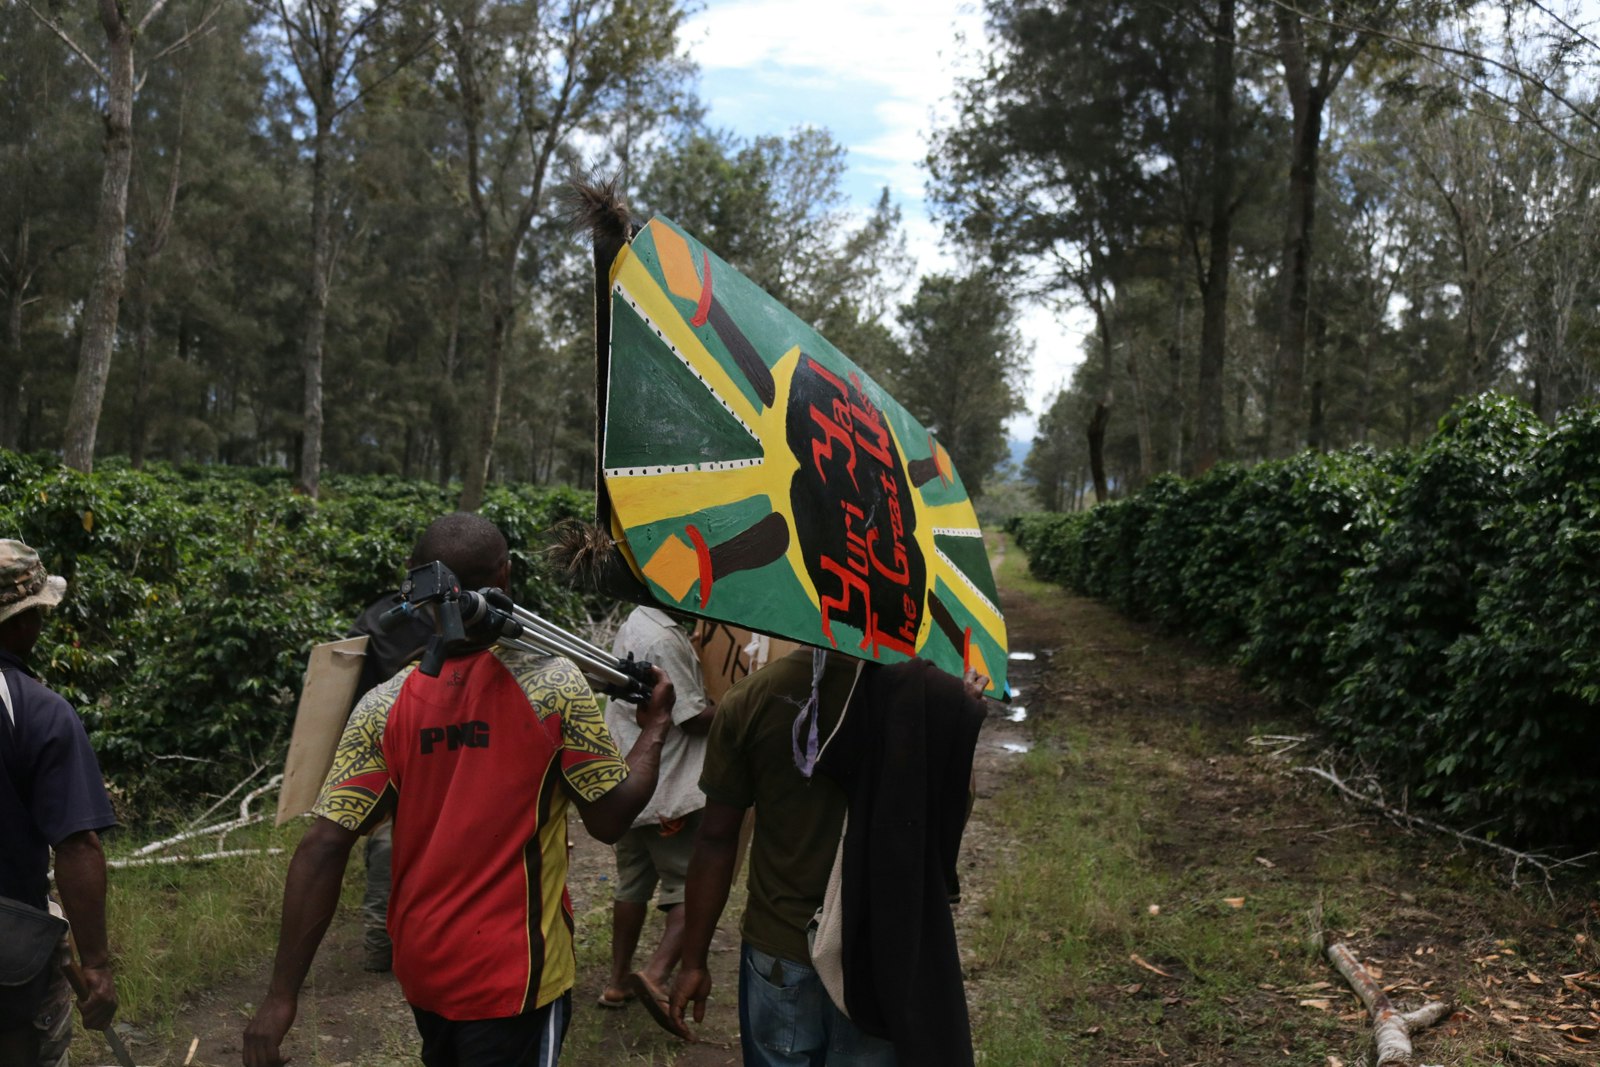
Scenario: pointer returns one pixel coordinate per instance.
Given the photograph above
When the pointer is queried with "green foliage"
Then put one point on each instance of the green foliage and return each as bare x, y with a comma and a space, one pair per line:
1442, 611
840, 274
1523, 711
1216, 571
1051, 542
1418, 591
1334, 505
194, 595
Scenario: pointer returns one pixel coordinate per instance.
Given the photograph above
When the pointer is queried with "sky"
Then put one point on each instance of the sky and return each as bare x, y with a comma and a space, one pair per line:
879, 75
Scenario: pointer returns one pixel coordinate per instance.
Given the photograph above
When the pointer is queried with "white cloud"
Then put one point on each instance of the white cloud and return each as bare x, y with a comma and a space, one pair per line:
894, 157
905, 47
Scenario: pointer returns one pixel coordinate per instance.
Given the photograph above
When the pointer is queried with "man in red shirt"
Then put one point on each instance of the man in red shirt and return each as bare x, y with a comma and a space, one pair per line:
478, 766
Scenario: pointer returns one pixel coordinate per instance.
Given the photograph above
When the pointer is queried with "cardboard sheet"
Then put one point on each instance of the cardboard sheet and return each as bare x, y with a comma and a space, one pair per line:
332, 673
729, 653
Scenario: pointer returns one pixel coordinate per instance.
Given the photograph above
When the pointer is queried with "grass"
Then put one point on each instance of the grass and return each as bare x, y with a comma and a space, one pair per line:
1012, 571
178, 931
586, 1038
172, 925
1084, 896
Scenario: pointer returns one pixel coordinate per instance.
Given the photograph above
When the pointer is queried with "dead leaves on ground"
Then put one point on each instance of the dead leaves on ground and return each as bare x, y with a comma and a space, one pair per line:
1523, 1005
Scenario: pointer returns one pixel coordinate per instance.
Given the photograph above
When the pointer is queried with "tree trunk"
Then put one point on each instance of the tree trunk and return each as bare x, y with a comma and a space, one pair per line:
1097, 451
1176, 408
110, 245
1296, 293
1476, 376
487, 414
144, 255
1214, 293
310, 479
1102, 410
1317, 435
443, 404
139, 423
1141, 418
14, 369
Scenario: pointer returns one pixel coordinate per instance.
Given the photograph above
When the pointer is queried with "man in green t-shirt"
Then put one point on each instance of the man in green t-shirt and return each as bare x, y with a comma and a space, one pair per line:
785, 1015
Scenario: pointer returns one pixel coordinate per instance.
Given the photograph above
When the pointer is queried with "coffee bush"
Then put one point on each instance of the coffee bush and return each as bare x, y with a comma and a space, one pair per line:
194, 595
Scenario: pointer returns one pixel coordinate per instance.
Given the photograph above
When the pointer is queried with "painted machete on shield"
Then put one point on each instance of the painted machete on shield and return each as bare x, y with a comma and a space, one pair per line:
754, 475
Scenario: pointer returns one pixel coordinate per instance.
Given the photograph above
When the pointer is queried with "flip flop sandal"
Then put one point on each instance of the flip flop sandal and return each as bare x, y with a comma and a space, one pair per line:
656, 1003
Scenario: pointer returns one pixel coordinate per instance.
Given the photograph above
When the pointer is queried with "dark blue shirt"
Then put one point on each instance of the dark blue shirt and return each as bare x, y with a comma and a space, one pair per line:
50, 784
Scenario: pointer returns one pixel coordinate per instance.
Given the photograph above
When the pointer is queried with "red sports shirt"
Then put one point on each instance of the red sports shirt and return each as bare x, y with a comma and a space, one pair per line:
480, 917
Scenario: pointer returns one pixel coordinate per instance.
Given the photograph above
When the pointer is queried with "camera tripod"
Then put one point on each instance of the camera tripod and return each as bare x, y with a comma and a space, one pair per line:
469, 620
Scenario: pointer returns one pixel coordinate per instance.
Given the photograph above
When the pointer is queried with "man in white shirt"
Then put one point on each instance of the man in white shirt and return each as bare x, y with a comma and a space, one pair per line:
656, 849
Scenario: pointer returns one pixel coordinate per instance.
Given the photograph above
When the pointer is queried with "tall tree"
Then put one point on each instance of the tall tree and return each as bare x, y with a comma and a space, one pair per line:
1087, 154
327, 42
525, 78
962, 367
1214, 276
1056, 460
1317, 43
44, 182
774, 207
116, 74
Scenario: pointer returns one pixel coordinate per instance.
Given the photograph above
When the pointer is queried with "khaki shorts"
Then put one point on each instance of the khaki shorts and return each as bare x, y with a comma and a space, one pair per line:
645, 856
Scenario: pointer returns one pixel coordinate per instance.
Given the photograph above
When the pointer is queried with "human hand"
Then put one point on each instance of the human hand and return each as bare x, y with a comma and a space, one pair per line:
974, 683
264, 1036
657, 710
97, 1000
690, 984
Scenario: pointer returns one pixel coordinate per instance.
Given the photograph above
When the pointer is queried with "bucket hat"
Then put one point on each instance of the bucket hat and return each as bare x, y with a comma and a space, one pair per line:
23, 581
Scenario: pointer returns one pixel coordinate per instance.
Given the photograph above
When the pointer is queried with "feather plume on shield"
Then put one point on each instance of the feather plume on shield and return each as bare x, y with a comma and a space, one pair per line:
595, 206
587, 555
583, 551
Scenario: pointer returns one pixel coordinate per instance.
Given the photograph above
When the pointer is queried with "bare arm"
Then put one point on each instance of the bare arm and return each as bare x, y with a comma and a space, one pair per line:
81, 881
705, 895
609, 817
700, 725
310, 895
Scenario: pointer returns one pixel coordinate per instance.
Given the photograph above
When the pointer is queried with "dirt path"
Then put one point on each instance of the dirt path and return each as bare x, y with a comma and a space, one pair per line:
1218, 820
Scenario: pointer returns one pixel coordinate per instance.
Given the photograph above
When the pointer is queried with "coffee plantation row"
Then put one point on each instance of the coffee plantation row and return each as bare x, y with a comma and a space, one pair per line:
195, 593
1440, 610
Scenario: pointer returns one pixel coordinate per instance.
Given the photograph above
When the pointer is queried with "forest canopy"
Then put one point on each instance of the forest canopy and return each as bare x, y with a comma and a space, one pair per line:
1294, 223
329, 236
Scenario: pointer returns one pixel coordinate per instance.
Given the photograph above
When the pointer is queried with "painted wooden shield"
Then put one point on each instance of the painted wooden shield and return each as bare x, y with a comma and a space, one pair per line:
757, 476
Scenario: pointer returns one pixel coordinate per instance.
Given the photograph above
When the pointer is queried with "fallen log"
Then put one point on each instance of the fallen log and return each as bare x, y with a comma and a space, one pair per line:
203, 857
1391, 1028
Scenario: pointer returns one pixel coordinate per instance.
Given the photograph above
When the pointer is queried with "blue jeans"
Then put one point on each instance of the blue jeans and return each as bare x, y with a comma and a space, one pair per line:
786, 1019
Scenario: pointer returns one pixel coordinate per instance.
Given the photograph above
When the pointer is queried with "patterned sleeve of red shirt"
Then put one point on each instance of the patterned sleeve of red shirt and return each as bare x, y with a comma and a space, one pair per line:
358, 782
590, 761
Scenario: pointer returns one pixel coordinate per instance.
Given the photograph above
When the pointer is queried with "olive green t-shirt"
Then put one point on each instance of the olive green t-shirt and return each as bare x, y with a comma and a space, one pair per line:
750, 761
